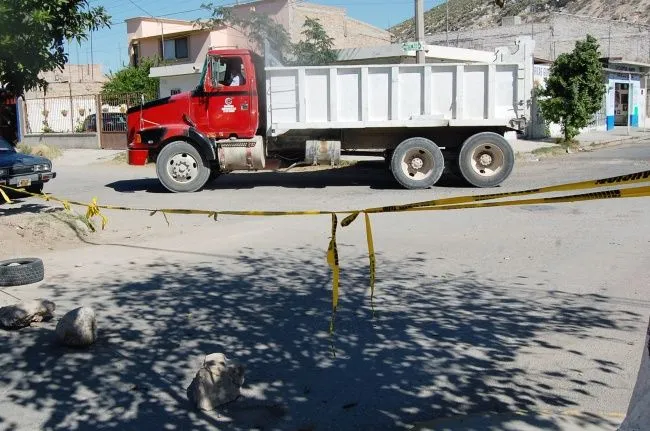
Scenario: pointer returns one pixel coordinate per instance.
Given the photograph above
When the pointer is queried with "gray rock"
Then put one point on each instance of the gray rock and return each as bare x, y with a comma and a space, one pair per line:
218, 382
77, 328
23, 314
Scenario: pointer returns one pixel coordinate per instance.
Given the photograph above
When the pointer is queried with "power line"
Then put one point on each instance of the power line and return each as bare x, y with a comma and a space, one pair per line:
138, 6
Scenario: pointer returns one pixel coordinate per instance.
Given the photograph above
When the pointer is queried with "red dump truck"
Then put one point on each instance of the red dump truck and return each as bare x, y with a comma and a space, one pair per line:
247, 108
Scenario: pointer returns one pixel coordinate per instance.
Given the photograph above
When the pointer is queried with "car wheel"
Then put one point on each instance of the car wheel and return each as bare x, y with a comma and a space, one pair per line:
17, 272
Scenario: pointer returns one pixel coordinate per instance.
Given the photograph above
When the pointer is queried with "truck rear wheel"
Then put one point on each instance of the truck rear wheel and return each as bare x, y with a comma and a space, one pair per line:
486, 159
180, 168
417, 163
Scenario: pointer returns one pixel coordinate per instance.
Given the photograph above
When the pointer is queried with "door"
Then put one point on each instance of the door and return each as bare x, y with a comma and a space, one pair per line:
229, 108
621, 105
111, 124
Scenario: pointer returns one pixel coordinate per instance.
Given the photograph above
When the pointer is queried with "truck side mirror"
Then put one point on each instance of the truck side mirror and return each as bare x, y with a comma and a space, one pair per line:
208, 85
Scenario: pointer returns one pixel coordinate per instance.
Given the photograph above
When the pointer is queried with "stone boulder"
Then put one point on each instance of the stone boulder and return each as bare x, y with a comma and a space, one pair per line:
23, 314
78, 328
218, 382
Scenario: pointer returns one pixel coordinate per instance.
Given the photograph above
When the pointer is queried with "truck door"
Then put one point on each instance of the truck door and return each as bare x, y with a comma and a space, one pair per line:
230, 102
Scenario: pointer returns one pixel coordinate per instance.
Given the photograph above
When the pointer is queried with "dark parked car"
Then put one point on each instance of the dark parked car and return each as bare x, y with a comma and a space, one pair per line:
111, 121
22, 170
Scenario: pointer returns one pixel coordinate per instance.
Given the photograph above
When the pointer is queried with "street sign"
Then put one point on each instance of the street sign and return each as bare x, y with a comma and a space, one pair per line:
412, 46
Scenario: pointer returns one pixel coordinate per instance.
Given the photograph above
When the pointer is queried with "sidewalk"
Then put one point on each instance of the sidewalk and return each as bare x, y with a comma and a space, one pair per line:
587, 139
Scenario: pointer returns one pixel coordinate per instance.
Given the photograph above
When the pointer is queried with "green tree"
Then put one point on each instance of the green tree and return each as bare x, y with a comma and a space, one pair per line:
574, 90
133, 79
317, 46
32, 37
315, 49
255, 26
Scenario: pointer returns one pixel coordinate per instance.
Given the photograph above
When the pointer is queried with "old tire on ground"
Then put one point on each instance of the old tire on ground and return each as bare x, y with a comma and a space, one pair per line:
17, 272
181, 168
417, 163
486, 159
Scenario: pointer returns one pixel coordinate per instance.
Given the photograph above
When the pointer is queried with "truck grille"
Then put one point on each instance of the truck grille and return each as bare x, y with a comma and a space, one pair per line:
17, 170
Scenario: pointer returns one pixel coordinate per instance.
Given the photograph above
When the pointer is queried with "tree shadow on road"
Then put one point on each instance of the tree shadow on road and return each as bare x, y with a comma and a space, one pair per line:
23, 207
439, 346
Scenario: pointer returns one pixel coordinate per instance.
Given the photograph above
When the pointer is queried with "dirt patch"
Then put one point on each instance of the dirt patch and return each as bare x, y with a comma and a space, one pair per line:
48, 151
54, 229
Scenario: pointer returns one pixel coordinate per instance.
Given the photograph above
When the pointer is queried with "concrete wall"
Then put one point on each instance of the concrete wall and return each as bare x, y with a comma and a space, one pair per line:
346, 32
144, 27
78, 79
65, 141
558, 35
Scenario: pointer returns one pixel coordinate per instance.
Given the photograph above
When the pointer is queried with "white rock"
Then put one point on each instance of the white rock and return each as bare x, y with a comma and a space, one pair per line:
23, 314
218, 382
78, 327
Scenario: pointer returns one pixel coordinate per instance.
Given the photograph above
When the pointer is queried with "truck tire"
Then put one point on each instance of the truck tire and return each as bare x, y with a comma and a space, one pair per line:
417, 163
17, 272
181, 168
486, 159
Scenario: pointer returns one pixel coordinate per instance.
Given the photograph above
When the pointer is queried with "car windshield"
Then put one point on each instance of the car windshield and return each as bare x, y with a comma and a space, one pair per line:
5, 145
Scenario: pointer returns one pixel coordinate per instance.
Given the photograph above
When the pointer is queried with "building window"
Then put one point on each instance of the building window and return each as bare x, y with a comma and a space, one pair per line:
175, 91
136, 54
174, 49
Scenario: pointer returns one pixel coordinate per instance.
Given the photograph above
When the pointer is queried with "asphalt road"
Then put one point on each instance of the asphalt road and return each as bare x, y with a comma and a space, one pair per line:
541, 309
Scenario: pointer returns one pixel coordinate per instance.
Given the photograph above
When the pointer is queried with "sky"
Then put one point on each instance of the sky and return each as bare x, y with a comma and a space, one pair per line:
109, 46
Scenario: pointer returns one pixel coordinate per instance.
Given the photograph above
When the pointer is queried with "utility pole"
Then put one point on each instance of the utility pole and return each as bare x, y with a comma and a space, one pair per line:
447, 21
419, 30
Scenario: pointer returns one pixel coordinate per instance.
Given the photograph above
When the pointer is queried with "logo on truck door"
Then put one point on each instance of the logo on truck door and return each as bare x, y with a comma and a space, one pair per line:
228, 107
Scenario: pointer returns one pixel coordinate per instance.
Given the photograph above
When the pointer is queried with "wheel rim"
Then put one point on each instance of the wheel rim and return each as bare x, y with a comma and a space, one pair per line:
417, 164
488, 160
183, 168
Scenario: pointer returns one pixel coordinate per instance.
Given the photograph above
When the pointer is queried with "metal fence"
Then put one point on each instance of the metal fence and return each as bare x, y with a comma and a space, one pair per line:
78, 114
59, 114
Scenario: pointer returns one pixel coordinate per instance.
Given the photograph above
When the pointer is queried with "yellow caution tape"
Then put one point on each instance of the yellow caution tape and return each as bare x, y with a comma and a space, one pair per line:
371, 258
333, 261
453, 203
4, 196
638, 177
93, 210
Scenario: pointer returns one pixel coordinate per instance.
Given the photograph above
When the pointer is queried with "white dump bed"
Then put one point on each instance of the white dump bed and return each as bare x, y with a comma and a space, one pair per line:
431, 95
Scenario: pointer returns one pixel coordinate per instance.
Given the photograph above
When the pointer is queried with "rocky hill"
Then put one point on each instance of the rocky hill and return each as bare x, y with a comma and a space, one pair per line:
472, 14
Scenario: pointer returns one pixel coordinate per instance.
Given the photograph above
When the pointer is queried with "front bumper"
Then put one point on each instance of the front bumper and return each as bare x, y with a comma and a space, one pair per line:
16, 180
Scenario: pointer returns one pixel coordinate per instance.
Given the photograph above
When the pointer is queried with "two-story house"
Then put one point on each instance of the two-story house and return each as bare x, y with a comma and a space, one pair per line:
183, 45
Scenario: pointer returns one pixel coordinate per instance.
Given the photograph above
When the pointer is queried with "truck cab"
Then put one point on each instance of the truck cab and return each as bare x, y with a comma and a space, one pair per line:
224, 106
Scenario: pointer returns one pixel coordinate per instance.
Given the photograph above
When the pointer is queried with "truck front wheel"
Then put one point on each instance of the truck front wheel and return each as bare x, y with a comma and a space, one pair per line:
417, 163
486, 159
180, 168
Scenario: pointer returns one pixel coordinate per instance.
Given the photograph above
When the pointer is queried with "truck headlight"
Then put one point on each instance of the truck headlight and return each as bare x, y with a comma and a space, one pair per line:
3, 172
